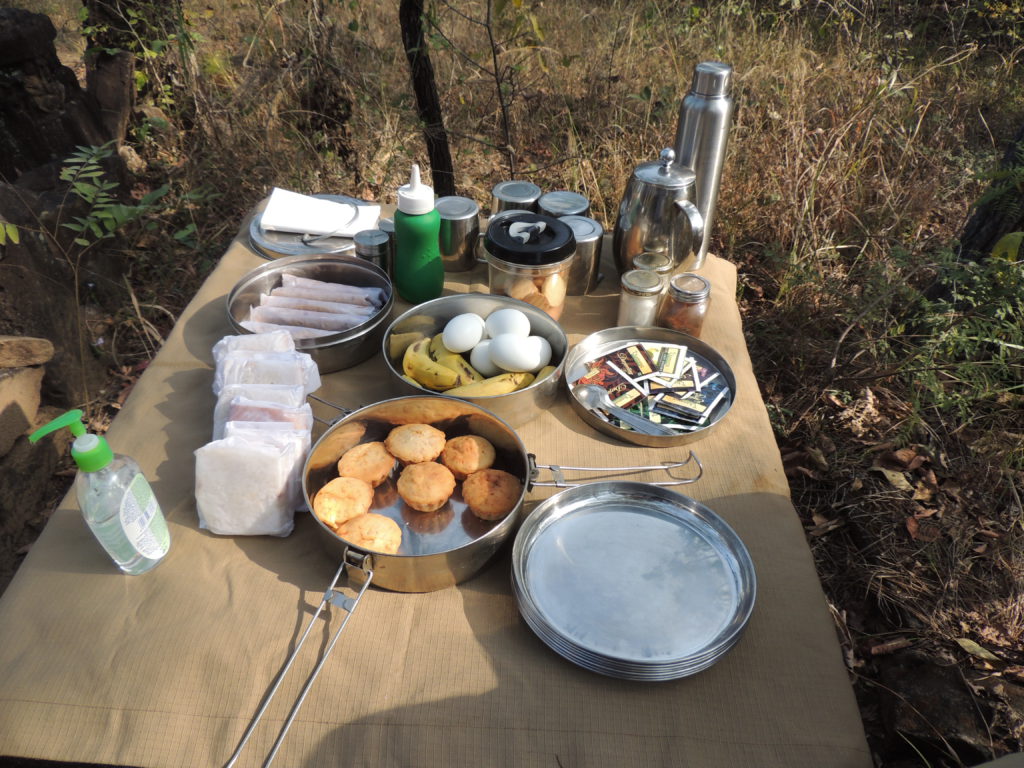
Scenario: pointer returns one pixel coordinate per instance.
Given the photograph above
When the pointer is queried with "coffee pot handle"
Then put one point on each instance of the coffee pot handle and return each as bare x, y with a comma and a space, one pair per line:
692, 215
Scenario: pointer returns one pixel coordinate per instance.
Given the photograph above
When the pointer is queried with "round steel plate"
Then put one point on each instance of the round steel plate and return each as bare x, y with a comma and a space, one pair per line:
633, 580
271, 244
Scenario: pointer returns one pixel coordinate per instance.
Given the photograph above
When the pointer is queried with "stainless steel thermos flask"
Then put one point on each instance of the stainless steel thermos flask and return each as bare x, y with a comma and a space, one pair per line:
701, 137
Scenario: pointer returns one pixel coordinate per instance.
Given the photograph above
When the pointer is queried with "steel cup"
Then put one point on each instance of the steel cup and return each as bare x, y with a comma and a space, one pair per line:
460, 230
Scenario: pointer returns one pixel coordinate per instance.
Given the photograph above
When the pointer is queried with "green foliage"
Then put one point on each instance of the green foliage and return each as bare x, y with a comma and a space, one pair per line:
970, 354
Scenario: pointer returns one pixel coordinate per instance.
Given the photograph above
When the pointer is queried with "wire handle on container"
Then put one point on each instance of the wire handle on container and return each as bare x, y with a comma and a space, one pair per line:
666, 466
334, 597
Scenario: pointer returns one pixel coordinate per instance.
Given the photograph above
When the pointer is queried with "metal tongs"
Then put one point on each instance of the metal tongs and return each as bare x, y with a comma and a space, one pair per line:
334, 597
666, 466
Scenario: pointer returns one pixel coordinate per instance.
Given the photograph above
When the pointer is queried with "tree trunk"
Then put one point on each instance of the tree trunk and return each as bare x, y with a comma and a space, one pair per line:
1003, 213
428, 104
120, 31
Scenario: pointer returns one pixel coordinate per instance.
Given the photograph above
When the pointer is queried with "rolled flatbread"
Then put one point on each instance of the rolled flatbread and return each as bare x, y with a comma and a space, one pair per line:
314, 305
305, 319
350, 294
295, 331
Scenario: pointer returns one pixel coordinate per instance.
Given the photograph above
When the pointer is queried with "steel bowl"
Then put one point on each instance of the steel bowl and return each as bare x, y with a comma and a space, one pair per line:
604, 341
429, 318
440, 548
338, 350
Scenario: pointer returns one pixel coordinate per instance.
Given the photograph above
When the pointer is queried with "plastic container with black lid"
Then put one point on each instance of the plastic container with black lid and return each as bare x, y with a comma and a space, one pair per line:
528, 258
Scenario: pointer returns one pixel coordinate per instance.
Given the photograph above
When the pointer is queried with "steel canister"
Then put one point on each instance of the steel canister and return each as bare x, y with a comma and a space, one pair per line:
460, 230
373, 245
562, 202
583, 274
514, 195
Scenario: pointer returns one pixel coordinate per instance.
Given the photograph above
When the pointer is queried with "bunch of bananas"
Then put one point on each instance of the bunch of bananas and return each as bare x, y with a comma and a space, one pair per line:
426, 362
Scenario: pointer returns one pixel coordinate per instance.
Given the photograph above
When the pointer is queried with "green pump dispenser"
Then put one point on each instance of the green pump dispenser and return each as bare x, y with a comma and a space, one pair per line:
115, 498
90, 452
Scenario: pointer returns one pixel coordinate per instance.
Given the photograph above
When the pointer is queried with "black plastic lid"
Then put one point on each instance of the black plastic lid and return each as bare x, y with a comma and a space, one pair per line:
550, 244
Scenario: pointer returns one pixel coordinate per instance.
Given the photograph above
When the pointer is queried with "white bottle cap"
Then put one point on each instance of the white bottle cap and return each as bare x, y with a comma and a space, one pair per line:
415, 198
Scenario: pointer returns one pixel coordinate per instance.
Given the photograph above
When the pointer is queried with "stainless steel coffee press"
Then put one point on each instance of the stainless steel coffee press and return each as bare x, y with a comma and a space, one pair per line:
701, 138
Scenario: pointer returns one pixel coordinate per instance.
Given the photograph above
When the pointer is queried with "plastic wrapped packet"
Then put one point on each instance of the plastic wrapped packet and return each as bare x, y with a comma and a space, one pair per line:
316, 305
296, 332
272, 341
245, 487
317, 289
304, 318
246, 367
276, 431
281, 394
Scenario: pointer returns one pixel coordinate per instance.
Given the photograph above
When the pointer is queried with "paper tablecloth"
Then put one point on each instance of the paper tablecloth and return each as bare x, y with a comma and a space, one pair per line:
166, 669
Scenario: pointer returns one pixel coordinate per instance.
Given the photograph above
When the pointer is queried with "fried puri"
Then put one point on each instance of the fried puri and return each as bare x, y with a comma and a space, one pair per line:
342, 499
372, 531
491, 493
367, 461
426, 486
467, 454
412, 443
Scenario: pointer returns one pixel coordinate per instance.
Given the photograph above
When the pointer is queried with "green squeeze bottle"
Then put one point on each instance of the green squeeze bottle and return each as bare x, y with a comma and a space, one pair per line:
419, 272
115, 498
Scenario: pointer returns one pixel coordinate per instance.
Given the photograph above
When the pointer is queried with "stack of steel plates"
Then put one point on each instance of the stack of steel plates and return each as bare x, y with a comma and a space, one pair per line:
632, 580
273, 244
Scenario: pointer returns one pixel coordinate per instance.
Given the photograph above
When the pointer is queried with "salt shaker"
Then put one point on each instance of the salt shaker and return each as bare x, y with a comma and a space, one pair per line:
701, 139
638, 301
685, 304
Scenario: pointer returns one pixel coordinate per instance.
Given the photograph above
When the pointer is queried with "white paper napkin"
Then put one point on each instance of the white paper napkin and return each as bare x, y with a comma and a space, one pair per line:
291, 212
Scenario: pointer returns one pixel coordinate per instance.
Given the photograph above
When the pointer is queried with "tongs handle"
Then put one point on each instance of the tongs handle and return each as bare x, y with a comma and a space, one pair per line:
666, 466
333, 596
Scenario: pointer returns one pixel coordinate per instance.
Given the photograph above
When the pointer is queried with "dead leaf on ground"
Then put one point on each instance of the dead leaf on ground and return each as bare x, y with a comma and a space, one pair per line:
923, 531
896, 479
975, 650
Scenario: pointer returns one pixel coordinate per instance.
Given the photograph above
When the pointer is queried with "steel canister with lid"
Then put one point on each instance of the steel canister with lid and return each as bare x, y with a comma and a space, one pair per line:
685, 303
528, 258
563, 202
460, 229
374, 246
514, 195
584, 275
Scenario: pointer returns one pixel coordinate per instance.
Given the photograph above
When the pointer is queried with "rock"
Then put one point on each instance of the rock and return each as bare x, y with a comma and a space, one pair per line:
19, 351
931, 707
19, 403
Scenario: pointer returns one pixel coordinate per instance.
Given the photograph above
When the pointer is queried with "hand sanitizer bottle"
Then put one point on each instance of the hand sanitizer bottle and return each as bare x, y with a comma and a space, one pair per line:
419, 271
115, 498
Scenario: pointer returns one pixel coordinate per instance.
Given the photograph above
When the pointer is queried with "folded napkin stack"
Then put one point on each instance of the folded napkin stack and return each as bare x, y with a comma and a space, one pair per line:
291, 212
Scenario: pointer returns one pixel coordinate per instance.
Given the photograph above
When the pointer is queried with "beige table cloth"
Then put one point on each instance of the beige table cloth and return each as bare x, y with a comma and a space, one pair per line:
167, 668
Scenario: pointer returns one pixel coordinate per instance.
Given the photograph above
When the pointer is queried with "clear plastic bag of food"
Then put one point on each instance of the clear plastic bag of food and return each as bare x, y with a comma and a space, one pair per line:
273, 340
291, 395
247, 367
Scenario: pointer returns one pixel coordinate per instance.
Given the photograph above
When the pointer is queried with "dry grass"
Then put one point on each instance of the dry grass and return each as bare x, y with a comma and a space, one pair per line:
860, 142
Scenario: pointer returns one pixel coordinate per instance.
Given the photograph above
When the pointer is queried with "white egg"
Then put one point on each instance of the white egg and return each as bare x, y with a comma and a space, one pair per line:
480, 358
463, 332
515, 353
508, 320
544, 347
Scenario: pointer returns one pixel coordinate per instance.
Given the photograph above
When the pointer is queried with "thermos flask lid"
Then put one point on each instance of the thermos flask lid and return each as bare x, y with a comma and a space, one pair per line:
712, 78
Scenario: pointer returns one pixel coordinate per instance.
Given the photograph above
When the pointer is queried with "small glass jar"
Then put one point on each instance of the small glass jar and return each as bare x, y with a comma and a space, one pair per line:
655, 261
685, 304
638, 301
529, 256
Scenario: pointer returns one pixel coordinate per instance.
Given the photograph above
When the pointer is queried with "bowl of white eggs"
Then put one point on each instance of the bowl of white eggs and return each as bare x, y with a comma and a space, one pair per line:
501, 353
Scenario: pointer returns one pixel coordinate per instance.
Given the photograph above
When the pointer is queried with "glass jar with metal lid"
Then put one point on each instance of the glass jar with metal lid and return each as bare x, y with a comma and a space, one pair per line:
685, 303
654, 261
528, 258
638, 301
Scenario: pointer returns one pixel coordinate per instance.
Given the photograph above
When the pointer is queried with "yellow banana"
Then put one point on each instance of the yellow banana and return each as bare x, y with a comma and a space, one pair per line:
528, 379
501, 384
417, 364
544, 372
441, 355
399, 342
